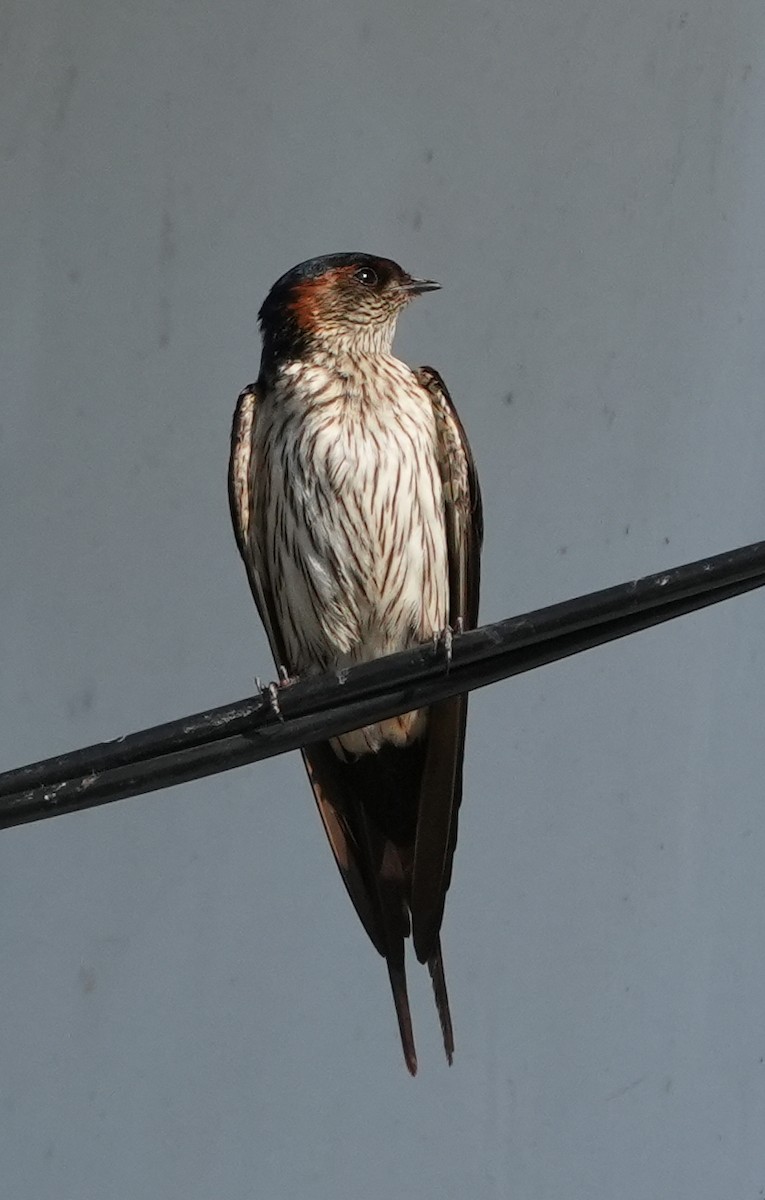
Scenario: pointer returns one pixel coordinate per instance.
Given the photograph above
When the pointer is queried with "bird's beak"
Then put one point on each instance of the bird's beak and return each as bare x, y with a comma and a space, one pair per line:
415, 287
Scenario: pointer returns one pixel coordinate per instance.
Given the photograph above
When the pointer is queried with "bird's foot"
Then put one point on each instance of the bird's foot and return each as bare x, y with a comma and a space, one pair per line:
270, 692
273, 699
445, 638
285, 679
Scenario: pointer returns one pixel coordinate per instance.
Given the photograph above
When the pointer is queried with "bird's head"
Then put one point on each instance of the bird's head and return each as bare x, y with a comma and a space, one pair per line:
338, 303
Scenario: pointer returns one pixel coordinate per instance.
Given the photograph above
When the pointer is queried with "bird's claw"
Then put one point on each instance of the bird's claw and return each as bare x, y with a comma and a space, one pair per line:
445, 638
271, 690
273, 699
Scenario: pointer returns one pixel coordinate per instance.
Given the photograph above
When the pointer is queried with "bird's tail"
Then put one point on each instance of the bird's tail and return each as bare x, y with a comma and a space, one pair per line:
436, 968
397, 974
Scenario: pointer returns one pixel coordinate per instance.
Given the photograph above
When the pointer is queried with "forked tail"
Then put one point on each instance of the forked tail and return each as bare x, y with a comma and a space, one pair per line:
397, 976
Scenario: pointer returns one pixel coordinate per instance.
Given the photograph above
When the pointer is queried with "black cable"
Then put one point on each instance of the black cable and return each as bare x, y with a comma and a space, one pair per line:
316, 708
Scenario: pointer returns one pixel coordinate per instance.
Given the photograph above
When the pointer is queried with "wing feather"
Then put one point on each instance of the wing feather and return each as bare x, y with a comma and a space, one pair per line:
242, 502
441, 788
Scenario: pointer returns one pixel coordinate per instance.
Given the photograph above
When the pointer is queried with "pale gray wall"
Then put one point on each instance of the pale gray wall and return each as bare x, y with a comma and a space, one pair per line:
189, 1007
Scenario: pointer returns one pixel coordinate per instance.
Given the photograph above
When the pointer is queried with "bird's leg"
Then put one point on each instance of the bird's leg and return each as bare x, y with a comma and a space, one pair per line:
271, 691
285, 680
447, 640
445, 637
273, 699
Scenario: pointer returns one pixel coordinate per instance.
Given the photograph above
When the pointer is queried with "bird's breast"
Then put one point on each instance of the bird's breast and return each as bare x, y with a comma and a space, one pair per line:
353, 538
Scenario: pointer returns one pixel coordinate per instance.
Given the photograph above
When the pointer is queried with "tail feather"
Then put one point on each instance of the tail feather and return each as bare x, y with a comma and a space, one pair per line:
397, 976
436, 968
369, 807
390, 887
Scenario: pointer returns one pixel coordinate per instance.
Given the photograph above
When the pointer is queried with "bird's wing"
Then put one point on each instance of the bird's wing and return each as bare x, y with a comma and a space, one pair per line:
441, 788
241, 498
359, 850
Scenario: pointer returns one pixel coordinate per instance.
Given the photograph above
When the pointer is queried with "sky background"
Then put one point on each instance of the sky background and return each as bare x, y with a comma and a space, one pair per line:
190, 1006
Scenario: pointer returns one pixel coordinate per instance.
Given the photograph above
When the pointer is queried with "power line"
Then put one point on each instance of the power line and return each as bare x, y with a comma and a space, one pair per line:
315, 708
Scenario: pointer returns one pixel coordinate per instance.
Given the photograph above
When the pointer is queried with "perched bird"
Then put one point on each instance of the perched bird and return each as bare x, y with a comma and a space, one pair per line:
357, 512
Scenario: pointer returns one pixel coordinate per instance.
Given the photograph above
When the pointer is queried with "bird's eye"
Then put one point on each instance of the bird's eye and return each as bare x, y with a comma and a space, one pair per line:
366, 276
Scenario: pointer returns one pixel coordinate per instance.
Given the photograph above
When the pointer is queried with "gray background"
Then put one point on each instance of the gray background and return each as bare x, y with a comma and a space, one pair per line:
189, 1006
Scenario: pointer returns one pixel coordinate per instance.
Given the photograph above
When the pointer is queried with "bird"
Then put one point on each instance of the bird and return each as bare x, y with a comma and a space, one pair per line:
357, 512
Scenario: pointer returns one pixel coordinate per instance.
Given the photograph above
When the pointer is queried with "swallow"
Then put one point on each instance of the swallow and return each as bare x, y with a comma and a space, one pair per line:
357, 512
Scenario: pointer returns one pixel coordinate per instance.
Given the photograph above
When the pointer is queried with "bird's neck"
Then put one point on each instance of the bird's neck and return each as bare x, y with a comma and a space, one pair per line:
350, 381
353, 341
341, 357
